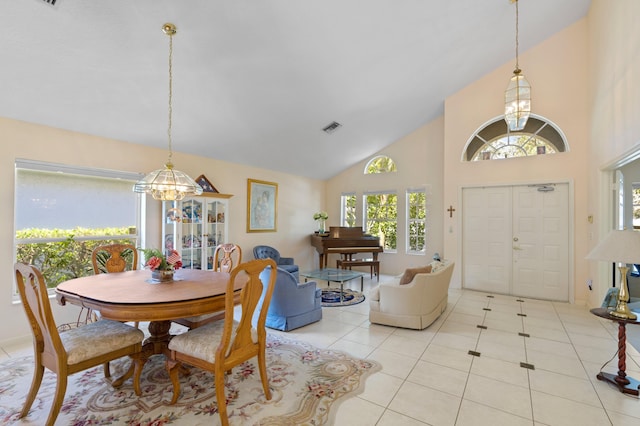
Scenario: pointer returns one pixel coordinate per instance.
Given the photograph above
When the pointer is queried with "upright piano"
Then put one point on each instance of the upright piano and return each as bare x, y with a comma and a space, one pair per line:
345, 240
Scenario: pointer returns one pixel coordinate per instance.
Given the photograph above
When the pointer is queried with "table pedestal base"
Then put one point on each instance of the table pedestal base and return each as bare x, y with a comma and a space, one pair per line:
625, 384
156, 344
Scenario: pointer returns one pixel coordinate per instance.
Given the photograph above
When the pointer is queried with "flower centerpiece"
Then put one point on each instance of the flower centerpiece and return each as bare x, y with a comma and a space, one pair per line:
162, 266
320, 217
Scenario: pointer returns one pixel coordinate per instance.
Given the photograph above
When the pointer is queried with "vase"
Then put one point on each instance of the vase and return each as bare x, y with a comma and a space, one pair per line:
162, 276
321, 226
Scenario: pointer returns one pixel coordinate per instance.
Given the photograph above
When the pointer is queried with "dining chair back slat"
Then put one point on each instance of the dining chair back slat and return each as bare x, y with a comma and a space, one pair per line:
223, 257
114, 258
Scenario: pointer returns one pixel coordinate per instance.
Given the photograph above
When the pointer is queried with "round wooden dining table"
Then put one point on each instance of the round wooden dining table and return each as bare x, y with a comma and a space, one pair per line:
134, 296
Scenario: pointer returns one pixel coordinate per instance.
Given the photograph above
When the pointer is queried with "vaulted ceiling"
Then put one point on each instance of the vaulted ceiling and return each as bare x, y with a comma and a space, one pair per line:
255, 81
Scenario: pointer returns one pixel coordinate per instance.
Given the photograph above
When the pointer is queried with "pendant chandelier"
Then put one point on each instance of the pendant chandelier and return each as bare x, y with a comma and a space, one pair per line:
168, 184
517, 97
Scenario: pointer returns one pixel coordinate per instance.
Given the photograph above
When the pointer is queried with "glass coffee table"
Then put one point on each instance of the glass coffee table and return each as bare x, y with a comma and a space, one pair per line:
336, 275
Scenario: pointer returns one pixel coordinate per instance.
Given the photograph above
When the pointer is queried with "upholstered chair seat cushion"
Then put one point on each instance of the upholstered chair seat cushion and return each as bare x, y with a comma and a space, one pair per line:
203, 341
98, 338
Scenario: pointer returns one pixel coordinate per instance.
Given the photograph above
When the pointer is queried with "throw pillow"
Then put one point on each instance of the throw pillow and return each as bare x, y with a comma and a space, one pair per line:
408, 275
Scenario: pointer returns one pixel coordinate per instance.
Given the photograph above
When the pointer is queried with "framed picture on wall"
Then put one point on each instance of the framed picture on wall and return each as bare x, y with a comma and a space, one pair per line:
262, 206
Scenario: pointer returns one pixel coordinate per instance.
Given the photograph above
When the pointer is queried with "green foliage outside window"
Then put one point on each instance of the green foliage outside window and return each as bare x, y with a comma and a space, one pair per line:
636, 206
64, 254
416, 202
382, 164
382, 218
349, 206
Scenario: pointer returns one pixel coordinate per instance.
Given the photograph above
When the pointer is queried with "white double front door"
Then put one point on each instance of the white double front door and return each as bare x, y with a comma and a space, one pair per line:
516, 240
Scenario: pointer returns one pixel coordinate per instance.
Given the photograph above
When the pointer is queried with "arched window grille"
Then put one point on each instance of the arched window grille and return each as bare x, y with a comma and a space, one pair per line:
380, 164
494, 141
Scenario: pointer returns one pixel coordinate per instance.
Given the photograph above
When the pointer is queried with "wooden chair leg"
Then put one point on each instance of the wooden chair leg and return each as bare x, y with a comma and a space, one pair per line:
107, 370
173, 368
33, 391
61, 388
221, 398
262, 366
138, 363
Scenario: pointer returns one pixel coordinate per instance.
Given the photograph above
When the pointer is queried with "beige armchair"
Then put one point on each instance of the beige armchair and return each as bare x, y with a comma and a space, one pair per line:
414, 305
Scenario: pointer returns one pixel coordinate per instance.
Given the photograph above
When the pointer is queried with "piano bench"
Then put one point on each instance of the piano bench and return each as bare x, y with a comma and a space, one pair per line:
374, 265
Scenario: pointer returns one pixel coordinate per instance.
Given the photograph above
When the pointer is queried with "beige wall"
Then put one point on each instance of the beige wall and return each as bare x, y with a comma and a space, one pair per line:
418, 157
557, 72
298, 198
614, 109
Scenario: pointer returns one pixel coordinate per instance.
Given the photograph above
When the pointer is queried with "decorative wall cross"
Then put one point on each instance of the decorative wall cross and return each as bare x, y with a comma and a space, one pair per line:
451, 210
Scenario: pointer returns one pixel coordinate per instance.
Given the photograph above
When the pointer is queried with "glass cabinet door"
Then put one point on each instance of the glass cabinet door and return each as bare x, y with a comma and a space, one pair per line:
194, 227
214, 232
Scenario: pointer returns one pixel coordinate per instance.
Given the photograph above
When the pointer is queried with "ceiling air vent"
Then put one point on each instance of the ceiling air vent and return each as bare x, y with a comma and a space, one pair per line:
331, 127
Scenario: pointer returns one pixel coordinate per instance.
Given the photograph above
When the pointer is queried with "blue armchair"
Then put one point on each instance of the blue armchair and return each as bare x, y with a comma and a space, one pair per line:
293, 304
286, 263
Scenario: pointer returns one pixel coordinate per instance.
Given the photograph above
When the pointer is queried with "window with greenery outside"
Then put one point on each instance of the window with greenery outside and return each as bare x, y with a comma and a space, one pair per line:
416, 221
382, 218
62, 213
65, 254
348, 202
380, 164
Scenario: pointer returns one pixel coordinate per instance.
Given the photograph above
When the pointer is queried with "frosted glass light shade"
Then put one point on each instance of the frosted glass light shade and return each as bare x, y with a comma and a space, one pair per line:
517, 102
168, 184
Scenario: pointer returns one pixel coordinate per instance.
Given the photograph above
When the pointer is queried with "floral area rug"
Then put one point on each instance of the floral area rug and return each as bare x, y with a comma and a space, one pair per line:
349, 297
306, 383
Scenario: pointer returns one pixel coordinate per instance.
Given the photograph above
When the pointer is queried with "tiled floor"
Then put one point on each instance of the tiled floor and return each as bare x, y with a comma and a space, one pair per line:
429, 377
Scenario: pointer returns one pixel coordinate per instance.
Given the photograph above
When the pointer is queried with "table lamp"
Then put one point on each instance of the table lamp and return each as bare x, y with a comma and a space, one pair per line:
619, 247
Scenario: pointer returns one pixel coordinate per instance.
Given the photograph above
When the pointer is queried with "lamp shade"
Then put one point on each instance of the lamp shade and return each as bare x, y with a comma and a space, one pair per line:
618, 246
168, 184
517, 102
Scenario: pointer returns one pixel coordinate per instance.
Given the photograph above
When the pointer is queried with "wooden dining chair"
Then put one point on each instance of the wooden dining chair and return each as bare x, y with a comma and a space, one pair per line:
225, 256
71, 351
111, 258
221, 345
114, 258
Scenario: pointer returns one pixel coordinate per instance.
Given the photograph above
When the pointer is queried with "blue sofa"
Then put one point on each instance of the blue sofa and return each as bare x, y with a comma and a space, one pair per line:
293, 304
286, 263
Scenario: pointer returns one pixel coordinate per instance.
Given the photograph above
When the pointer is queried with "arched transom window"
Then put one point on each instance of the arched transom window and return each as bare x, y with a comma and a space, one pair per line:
380, 164
494, 141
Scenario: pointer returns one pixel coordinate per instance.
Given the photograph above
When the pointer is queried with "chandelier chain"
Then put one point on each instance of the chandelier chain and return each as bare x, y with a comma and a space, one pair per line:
517, 31
170, 94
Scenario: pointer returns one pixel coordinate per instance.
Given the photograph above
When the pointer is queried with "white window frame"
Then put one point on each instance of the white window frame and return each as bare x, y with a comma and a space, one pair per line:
409, 220
365, 218
33, 165
344, 209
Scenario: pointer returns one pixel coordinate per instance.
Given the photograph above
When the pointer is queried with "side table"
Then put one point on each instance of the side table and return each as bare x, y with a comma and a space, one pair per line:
625, 383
